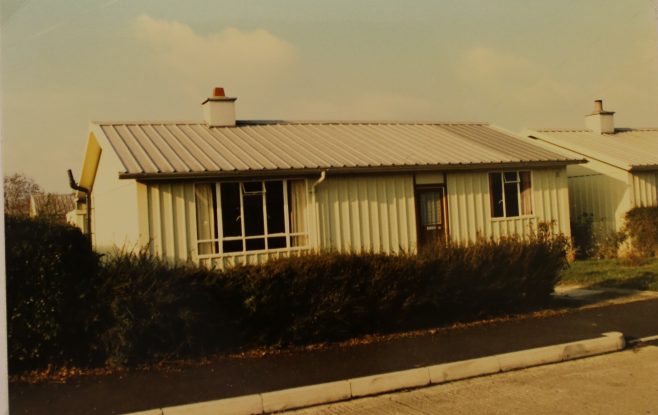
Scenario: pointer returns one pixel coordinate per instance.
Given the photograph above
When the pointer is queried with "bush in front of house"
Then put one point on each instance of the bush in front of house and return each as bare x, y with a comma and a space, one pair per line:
153, 310
51, 272
332, 296
642, 229
145, 309
582, 234
593, 240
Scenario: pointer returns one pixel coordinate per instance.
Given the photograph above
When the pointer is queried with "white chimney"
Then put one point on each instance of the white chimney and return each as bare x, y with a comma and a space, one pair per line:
600, 121
219, 110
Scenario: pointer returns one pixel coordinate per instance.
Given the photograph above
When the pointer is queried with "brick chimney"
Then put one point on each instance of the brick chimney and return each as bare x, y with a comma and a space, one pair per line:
600, 121
219, 110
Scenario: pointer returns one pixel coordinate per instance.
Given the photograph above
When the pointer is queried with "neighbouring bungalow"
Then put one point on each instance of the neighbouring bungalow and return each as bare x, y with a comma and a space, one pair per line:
51, 206
622, 168
222, 192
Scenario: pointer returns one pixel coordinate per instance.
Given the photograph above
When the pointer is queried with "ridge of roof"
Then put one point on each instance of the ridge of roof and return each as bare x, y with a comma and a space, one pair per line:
584, 130
294, 122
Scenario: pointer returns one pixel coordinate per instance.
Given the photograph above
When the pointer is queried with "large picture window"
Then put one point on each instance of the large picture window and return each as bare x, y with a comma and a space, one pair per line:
251, 216
511, 194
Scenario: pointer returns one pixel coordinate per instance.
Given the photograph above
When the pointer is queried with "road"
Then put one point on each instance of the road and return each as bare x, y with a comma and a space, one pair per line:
226, 377
619, 383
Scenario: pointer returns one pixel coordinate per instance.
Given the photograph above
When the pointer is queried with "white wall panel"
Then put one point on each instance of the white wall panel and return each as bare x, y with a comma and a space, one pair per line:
644, 188
469, 206
367, 213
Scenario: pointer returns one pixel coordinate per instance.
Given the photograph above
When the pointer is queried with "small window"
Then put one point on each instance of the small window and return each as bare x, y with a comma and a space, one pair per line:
510, 193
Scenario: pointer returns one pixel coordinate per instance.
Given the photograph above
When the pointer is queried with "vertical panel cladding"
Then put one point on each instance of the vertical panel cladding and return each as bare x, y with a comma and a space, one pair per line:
603, 196
644, 188
154, 224
470, 211
172, 220
367, 213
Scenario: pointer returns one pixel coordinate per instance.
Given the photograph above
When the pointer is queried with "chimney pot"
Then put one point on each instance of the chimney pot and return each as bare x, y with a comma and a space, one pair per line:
598, 105
218, 92
600, 121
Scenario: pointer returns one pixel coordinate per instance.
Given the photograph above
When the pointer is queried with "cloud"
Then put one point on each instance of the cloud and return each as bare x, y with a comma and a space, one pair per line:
515, 79
481, 64
231, 56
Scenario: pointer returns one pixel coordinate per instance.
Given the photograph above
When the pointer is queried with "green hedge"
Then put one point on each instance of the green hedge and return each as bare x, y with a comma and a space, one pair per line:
51, 272
138, 309
642, 228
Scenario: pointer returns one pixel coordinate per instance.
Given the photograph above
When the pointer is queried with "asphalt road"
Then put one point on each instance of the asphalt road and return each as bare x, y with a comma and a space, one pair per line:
619, 383
233, 377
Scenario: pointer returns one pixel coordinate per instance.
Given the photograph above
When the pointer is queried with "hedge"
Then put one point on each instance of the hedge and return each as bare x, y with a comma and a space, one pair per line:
51, 273
642, 228
138, 309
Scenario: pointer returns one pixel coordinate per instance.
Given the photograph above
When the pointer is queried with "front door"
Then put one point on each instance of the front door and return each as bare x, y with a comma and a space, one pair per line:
430, 207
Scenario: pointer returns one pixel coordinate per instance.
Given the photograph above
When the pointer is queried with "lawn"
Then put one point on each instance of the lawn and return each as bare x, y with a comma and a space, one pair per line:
613, 273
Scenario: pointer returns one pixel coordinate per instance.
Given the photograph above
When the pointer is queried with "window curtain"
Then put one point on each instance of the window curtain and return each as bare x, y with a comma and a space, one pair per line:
526, 193
205, 217
430, 208
297, 206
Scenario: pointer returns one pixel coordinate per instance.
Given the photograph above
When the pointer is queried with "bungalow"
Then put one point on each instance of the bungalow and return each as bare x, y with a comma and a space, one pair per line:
51, 206
622, 168
223, 191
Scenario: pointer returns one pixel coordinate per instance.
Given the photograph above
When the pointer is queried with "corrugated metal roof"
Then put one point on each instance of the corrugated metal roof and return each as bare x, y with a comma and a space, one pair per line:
627, 148
171, 148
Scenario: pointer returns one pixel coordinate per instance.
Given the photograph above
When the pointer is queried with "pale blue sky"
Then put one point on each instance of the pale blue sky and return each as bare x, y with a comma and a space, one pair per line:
514, 63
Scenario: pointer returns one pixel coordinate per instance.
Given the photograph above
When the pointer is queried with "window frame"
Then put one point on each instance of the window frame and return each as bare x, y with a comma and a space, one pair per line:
503, 182
219, 238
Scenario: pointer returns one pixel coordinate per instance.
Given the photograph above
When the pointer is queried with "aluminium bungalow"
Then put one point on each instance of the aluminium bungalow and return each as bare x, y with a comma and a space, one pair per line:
222, 192
622, 168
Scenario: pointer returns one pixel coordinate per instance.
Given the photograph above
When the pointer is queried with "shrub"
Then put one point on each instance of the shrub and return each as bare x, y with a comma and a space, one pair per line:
594, 240
154, 310
145, 309
51, 272
642, 228
582, 233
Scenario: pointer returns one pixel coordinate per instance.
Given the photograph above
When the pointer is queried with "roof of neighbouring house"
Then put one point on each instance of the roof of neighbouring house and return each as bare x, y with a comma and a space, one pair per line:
172, 149
628, 148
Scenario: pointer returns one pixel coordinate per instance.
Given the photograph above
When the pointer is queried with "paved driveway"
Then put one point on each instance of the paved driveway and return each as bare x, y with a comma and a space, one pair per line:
619, 383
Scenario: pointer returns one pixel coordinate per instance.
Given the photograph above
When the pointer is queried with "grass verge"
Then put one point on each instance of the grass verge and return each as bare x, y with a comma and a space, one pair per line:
613, 273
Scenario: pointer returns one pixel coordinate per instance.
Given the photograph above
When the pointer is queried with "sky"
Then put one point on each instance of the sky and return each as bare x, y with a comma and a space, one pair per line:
513, 63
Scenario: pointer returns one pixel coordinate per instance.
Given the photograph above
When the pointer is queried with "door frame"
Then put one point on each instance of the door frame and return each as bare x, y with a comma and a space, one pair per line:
444, 208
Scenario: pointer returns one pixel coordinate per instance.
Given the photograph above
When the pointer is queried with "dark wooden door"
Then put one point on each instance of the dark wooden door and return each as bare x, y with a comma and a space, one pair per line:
430, 207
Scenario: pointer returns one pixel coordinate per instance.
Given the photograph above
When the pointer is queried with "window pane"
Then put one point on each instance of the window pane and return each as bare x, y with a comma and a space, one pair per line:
511, 177
297, 207
526, 193
232, 246
206, 217
430, 208
252, 187
253, 215
276, 242
496, 192
511, 199
275, 215
255, 244
231, 225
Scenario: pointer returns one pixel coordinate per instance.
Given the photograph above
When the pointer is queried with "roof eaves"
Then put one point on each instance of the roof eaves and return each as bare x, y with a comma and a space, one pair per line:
351, 170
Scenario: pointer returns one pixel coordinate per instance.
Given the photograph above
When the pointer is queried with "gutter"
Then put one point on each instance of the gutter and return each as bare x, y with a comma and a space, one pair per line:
348, 170
87, 193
